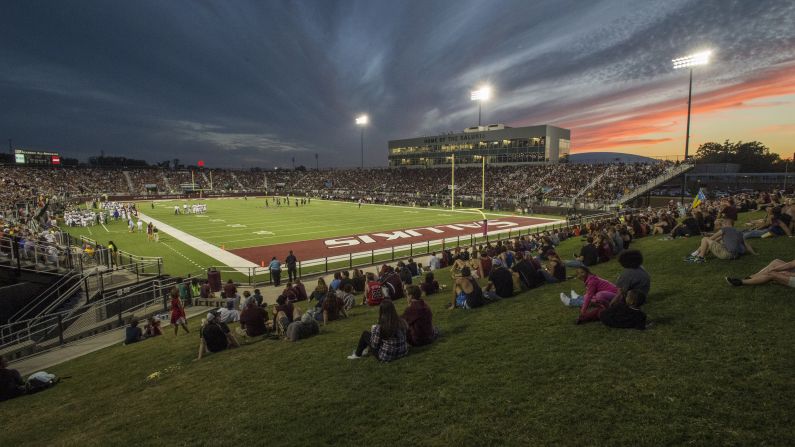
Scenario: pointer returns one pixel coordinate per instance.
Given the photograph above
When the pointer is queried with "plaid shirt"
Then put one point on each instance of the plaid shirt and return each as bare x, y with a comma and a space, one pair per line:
387, 349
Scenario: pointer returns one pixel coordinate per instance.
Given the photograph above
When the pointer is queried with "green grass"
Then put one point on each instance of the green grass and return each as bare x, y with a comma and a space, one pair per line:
320, 219
716, 369
234, 223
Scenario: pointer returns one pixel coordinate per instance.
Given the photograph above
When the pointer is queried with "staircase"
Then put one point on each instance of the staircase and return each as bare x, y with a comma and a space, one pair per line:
206, 180
592, 183
166, 182
237, 180
130, 185
655, 182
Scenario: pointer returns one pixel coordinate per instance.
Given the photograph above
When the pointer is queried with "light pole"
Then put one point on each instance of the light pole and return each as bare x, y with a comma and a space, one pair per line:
317, 165
480, 95
362, 121
690, 61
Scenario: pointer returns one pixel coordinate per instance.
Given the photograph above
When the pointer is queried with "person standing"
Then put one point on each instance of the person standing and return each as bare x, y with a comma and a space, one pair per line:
178, 316
292, 272
276, 271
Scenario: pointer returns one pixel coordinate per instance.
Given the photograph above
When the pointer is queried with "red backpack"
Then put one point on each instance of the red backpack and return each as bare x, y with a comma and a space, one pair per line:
374, 293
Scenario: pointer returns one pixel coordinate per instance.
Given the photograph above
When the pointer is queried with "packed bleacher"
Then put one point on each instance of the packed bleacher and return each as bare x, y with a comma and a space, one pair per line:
595, 183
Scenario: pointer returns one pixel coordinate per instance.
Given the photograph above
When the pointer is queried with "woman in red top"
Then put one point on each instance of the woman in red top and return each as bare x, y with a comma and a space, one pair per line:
178, 317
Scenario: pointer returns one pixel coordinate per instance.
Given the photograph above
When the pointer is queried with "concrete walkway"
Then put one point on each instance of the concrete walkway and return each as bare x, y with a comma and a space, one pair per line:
232, 260
56, 356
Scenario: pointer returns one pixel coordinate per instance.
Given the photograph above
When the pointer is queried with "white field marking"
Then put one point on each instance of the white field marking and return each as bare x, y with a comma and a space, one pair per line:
436, 209
413, 212
106, 228
89, 231
389, 223
223, 256
373, 231
180, 253
217, 220
236, 225
263, 232
200, 215
337, 223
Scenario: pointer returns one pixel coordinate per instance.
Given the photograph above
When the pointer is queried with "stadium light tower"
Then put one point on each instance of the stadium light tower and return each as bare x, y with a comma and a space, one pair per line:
689, 62
362, 121
480, 95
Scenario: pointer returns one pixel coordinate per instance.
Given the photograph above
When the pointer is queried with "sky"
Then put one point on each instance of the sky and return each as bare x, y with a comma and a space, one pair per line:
257, 83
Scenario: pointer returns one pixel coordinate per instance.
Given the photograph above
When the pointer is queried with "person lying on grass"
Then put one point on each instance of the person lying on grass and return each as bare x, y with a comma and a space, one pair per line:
419, 318
726, 243
599, 293
215, 336
467, 293
777, 271
385, 340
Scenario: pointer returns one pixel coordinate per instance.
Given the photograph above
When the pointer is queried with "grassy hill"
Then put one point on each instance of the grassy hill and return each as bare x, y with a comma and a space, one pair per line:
715, 369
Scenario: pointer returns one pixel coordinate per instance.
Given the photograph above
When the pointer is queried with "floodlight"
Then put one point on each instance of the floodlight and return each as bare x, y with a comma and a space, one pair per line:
362, 120
481, 94
692, 60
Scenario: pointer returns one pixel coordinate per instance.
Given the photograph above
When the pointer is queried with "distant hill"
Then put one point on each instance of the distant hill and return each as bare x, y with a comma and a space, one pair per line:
607, 157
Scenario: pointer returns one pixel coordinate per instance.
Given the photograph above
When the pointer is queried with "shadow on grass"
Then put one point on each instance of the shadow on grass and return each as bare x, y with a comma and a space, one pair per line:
662, 321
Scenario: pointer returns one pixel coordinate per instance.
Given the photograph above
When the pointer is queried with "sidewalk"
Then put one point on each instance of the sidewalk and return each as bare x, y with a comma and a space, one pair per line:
56, 356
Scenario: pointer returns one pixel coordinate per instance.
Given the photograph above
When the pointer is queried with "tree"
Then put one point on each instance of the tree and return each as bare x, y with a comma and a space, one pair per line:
752, 156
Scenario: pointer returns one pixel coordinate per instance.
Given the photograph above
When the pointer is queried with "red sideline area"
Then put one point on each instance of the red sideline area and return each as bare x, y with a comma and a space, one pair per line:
321, 248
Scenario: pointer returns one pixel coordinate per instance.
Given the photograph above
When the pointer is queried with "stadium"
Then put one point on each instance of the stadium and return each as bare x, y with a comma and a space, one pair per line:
489, 285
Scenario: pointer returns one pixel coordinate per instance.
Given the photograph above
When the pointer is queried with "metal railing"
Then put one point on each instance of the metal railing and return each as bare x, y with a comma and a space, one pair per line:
34, 335
255, 276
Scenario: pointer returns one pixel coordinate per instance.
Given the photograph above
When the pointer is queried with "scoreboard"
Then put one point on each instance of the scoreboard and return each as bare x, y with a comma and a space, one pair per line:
36, 158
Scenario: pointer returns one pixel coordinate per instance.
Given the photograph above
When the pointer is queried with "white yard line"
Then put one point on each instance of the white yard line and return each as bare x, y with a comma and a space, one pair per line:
106, 228
232, 260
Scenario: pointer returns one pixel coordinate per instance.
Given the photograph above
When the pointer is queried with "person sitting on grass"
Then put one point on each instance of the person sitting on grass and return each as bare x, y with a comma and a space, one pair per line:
625, 314
374, 294
359, 280
555, 270
178, 317
589, 255
467, 293
391, 280
11, 383
419, 318
335, 283
152, 328
215, 336
333, 308
726, 243
633, 277
321, 290
500, 282
405, 273
777, 271
430, 285
132, 334
252, 319
385, 340
598, 295
413, 267
346, 294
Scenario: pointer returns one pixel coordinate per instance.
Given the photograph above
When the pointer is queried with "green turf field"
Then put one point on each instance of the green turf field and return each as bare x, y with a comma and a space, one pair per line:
238, 223
715, 369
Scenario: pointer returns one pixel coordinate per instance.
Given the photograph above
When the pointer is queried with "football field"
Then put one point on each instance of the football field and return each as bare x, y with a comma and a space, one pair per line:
249, 229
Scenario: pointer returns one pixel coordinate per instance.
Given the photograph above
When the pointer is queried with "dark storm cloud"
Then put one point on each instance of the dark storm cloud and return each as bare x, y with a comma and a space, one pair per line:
257, 83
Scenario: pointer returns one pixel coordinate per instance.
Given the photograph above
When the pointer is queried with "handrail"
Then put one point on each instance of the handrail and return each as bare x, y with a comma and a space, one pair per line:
43, 295
662, 178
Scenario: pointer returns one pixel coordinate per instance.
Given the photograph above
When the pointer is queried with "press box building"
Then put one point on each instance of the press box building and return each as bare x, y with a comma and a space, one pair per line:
498, 143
